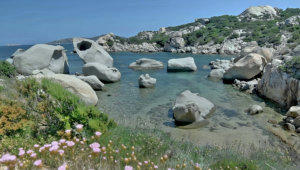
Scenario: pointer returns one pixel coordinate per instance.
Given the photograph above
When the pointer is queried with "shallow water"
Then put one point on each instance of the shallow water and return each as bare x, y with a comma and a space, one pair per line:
150, 108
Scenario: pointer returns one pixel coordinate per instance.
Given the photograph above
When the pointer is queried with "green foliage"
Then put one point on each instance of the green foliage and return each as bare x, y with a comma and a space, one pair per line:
7, 70
110, 43
291, 67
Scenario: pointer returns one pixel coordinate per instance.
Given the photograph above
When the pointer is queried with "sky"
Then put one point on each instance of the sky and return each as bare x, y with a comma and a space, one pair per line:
42, 21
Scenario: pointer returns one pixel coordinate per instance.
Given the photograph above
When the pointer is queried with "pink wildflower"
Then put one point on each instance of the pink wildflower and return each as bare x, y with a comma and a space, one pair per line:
155, 167
38, 163
96, 150
8, 159
36, 146
62, 141
128, 168
63, 167
95, 145
61, 152
70, 143
33, 155
79, 127
54, 143
29, 151
21, 152
98, 134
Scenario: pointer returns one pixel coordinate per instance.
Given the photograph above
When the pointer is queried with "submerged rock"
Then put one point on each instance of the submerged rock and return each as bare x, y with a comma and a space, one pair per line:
145, 81
146, 63
102, 72
93, 81
254, 109
41, 56
216, 73
182, 64
190, 107
91, 52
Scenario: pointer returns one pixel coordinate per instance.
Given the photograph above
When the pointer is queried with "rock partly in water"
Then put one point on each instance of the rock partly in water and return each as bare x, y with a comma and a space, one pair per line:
91, 52
254, 109
246, 68
75, 86
42, 56
93, 81
190, 107
247, 86
146, 63
182, 65
216, 73
102, 72
145, 81
279, 87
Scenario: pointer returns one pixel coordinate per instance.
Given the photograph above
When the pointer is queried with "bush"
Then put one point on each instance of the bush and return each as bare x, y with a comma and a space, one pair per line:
13, 118
7, 70
228, 164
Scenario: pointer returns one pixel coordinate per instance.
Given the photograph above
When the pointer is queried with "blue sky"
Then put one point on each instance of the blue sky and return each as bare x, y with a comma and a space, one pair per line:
40, 21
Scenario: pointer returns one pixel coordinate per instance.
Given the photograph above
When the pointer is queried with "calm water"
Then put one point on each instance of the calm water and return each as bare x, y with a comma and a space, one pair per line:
150, 108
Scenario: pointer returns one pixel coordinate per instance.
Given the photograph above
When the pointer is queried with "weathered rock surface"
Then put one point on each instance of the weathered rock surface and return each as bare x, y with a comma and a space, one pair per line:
91, 52
102, 72
18, 51
247, 86
145, 81
221, 64
93, 81
294, 20
216, 73
76, 86
279, 87
182, 64
254, 109
191, 107
259, 12
41, 56
145, 64
296, 51
293, 112
246, 68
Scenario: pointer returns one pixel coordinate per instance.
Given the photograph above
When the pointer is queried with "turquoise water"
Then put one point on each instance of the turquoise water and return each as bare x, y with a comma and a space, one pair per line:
150, 108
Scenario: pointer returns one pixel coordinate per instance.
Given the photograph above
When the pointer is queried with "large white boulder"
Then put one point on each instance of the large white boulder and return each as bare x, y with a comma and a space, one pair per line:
182, 64
104, 73
41, 56
75, 86
93, 81
91, 52
191, 107
246, 68
279, 87
146, 63
259, 12
145, 81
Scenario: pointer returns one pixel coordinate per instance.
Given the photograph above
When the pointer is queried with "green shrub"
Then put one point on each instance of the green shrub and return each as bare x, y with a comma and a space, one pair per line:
110, 43
228, 164
7, 70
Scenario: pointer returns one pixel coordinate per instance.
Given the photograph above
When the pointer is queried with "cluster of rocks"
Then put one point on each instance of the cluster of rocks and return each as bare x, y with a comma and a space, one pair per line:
291, 121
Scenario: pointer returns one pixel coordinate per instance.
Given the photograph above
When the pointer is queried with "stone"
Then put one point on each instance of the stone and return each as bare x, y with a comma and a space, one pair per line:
216, 73
146, 63
145, 81
293, 112
246, 68
294, 20
76, 86
177, 42
91, 52
42, 56
289, 127
191, 107
296, 51
10, 60
297, 122
182, 64
247, 86
259, 12
18, 51
102, 72
93, 81
221, 64
298, 130
254, 109
278, 87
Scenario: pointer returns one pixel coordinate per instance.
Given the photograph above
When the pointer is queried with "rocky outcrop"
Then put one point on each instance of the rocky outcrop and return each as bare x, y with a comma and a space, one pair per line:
292, 21
145, 81
102, 72
182, 65
76, 86
39, 57
191, 107
246, 68
93, 81
221, 64
90, 52
259, 12
146, 64
279, 87
296, 51
144, 47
